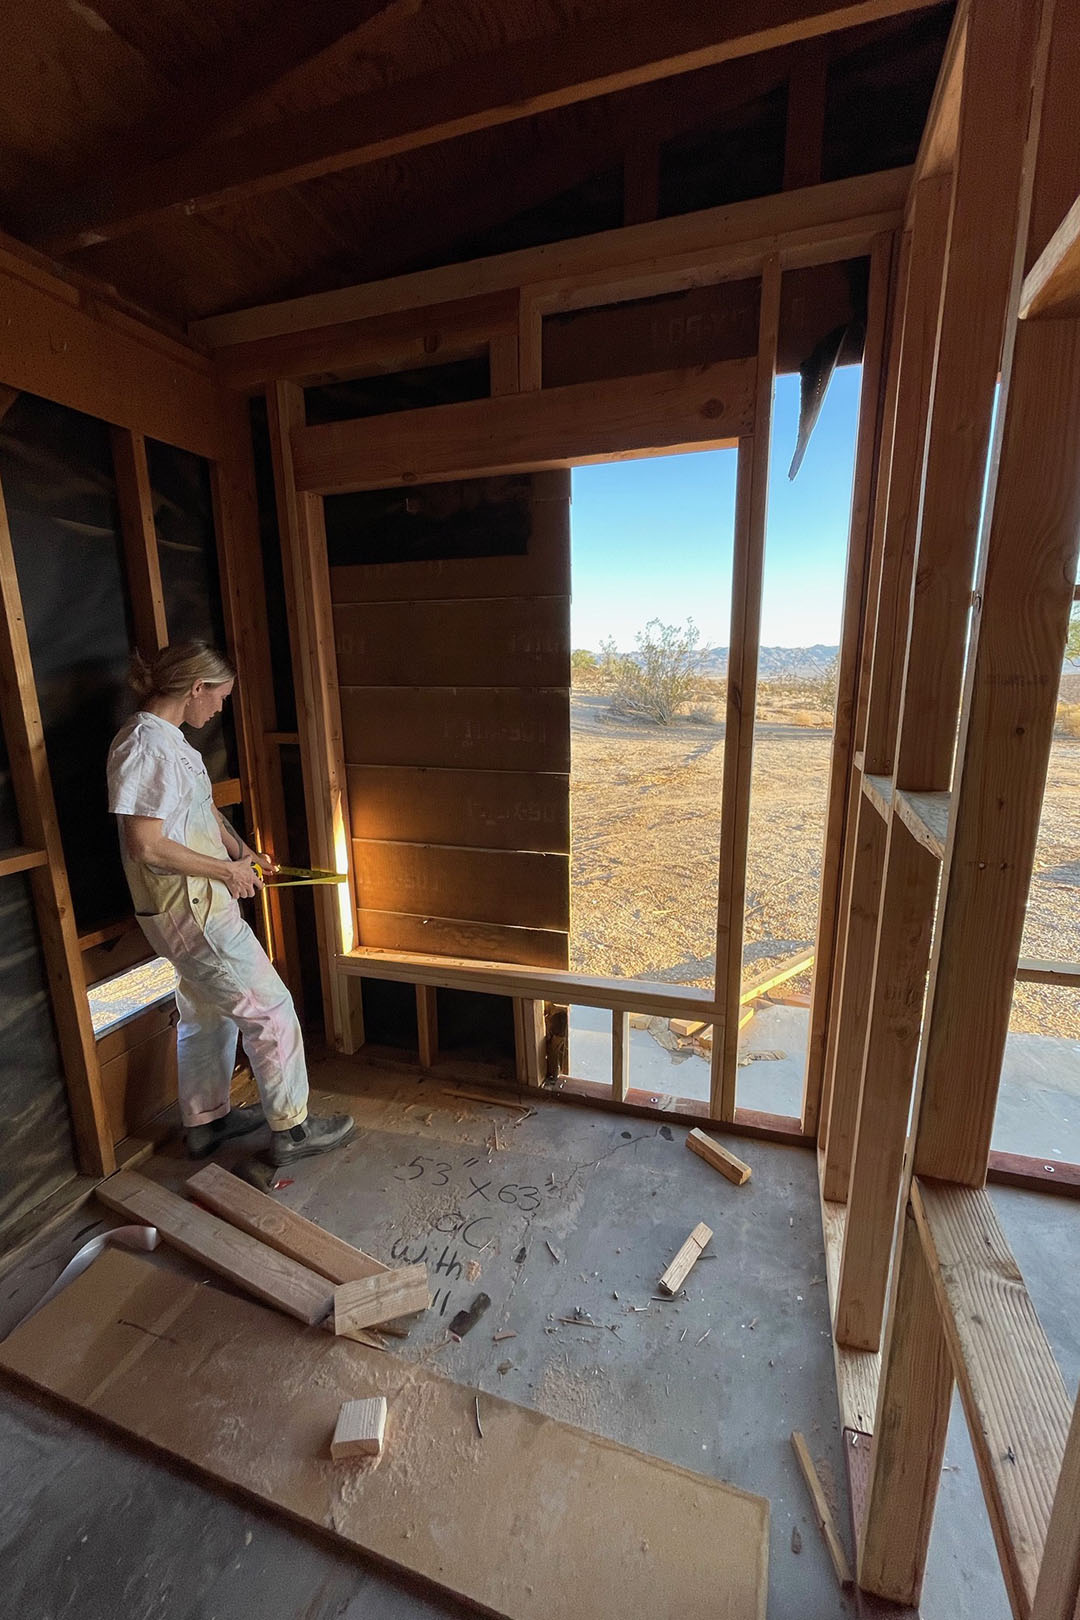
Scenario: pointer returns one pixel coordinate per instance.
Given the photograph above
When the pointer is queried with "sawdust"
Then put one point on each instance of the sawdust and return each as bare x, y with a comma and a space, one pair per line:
572, 1397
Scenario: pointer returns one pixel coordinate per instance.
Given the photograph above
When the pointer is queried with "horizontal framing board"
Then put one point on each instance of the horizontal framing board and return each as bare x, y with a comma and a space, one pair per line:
547, 428
139, 1082
476, 728
534, 984
591, 1498
60, 350
496, 641
519, 888
398, 342
527, 810
543, 570
809, 226
450, 936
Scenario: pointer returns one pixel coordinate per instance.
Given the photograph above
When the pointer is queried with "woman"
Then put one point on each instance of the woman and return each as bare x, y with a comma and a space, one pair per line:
186, 869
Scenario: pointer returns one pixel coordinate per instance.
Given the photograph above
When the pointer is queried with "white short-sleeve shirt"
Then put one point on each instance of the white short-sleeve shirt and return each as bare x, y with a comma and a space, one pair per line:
153, 771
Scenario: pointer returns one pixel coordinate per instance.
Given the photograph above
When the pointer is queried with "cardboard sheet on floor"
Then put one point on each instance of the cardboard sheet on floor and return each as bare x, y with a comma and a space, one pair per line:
535, 1520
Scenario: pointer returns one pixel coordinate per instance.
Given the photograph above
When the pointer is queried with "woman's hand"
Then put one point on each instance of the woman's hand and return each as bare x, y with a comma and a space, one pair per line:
265, 864
240, 878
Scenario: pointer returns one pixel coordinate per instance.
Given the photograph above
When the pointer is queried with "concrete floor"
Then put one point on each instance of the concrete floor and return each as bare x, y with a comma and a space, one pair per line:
89, 1528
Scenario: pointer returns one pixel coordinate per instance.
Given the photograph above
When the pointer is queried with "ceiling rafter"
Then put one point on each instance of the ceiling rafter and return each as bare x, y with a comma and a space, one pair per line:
634, 45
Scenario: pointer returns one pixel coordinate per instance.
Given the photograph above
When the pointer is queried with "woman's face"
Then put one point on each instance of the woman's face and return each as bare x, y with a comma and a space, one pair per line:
204, 702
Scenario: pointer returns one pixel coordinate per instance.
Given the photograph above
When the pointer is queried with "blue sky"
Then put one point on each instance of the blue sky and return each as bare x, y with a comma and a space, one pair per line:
652, 539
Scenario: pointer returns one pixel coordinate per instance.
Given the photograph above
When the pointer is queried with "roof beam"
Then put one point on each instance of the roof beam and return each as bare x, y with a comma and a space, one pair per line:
635, 45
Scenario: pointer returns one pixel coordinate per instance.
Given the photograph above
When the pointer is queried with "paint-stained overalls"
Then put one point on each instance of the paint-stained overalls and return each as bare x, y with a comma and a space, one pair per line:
227, 984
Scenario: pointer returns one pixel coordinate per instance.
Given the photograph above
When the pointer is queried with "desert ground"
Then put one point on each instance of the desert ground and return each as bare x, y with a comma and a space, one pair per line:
645, 807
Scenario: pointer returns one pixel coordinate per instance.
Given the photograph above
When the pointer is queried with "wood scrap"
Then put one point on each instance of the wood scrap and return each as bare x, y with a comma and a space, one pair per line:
685, 1027
822, 1510
372, 1300
271, 1277
283, 1229
771, 977
718, 1157
360, 1428
466, 1320
680, 1268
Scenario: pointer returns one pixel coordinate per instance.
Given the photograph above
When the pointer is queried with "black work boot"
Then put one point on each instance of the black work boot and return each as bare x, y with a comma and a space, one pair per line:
202, 1140
318, 1134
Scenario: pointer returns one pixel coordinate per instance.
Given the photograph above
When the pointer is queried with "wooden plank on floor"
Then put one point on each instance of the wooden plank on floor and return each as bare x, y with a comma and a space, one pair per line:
1057, 1594
251, 1211
517, 888
474, 728
195, 1351
505, 641
452, 936
1014, 1396
418, 804
272, 1277
380, 1297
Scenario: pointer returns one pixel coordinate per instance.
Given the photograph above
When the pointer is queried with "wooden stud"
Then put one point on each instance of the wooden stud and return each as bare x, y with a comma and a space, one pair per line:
1034, 970
685, 1260
899, 981
300, 520
360, 1428
279, 1227
271, 1277
718, 1157
527, 432
371, 1300
530, 343
751, 506
822, 1510
620, 1055
855, 990
20, 717
427, 1025
872, 404
909, 1432
1023, 603
530, 1041
503, 360
937, 149
140, 541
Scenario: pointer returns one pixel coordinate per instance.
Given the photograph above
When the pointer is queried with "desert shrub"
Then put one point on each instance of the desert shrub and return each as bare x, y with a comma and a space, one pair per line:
702, 716
1072, 649
1067, 723
582, 662
660, 676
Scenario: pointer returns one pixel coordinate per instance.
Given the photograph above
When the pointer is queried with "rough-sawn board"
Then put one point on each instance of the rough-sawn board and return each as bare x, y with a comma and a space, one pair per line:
533, 1521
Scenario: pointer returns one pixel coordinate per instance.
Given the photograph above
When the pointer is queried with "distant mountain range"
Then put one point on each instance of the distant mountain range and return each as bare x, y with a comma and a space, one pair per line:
797, 663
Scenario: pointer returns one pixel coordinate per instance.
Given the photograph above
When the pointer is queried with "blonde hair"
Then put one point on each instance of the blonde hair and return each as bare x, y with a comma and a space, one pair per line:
173, 671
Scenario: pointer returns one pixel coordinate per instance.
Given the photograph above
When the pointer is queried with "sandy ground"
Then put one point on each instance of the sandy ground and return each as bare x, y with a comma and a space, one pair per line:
645, 806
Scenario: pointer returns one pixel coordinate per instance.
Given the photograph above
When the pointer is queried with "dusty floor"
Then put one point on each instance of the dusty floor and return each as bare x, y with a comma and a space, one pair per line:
90, 1529
645, 806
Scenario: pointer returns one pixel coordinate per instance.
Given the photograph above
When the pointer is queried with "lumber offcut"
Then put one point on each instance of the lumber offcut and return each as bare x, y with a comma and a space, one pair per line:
283, 1229
719, 1157
822, 1511
161, 1358
691, 1251
372, 1300
360, 1426
242, 1259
